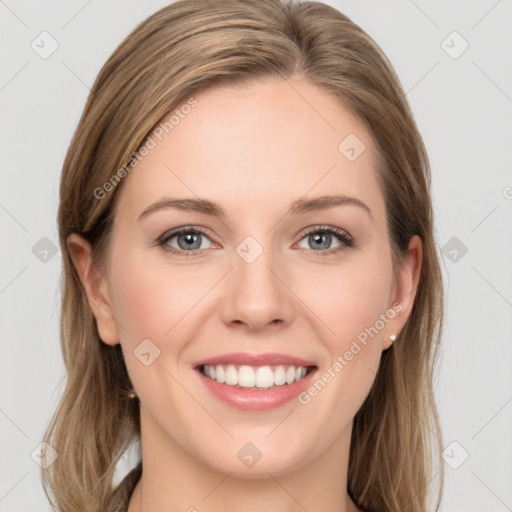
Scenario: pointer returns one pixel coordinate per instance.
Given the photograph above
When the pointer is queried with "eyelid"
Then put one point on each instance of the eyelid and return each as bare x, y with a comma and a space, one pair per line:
325, 228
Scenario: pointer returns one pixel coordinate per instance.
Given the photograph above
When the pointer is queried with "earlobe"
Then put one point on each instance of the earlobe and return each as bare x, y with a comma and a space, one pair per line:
95, 285
406, 288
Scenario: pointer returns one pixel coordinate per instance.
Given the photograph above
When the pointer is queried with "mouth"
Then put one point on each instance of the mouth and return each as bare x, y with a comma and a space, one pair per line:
259, 378
255, 382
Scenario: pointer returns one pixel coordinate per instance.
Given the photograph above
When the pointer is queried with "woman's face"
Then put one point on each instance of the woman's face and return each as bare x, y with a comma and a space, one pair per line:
284, 263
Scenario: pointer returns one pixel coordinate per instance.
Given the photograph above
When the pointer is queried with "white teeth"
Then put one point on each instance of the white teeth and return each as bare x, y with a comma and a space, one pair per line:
231, 375
221, 375
246, 377
279, 376
264, 377
249, 377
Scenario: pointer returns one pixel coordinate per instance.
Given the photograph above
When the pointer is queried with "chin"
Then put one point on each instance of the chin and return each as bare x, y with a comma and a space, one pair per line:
248, 462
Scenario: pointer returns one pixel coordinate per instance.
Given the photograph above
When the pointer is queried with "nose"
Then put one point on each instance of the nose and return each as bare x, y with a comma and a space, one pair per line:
258, 294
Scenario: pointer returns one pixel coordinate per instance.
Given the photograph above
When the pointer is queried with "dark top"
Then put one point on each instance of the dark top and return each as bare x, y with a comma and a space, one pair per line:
124, 490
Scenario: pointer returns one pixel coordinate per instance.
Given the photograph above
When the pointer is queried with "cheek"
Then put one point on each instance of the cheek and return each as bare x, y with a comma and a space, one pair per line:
143, 305
152, 300
349, 298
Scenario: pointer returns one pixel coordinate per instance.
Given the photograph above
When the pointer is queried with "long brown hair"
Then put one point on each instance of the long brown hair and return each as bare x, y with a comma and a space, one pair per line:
182, 48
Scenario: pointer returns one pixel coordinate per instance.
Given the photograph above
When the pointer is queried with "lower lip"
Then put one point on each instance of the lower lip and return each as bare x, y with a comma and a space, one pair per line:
257, 400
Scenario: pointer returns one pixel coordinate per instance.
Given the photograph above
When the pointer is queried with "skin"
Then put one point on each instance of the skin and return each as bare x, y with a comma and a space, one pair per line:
253, 149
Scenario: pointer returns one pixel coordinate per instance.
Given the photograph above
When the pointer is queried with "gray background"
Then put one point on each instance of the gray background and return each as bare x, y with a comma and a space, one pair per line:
463, 106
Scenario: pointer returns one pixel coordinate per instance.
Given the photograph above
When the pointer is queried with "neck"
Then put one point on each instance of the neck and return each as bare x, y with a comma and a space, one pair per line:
174, 480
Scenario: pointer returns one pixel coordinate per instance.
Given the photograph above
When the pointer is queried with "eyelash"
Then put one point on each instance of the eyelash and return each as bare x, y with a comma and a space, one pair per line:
343, 237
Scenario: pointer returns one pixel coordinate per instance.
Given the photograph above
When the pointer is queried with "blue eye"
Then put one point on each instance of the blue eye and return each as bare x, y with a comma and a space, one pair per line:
189, 240
320, 240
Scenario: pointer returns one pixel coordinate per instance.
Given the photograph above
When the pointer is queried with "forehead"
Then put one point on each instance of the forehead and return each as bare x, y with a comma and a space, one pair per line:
259, 145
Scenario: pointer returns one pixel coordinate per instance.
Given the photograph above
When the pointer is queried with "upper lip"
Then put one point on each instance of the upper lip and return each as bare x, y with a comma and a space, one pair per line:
243, 358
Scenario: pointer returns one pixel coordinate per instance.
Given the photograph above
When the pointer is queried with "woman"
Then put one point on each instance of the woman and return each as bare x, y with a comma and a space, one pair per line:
251, 285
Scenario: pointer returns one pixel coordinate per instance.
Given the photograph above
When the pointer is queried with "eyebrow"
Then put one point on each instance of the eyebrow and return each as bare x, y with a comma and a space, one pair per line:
208, 207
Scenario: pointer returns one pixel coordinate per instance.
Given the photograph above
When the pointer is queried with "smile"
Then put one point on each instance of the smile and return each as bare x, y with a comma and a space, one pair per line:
255, 382
255, 377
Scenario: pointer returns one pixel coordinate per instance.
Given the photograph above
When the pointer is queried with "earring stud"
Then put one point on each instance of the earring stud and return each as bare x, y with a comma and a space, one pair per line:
131, 393
392, 337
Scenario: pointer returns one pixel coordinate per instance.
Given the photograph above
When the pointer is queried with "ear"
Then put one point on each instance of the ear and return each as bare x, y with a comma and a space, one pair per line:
405, 288
96, 288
